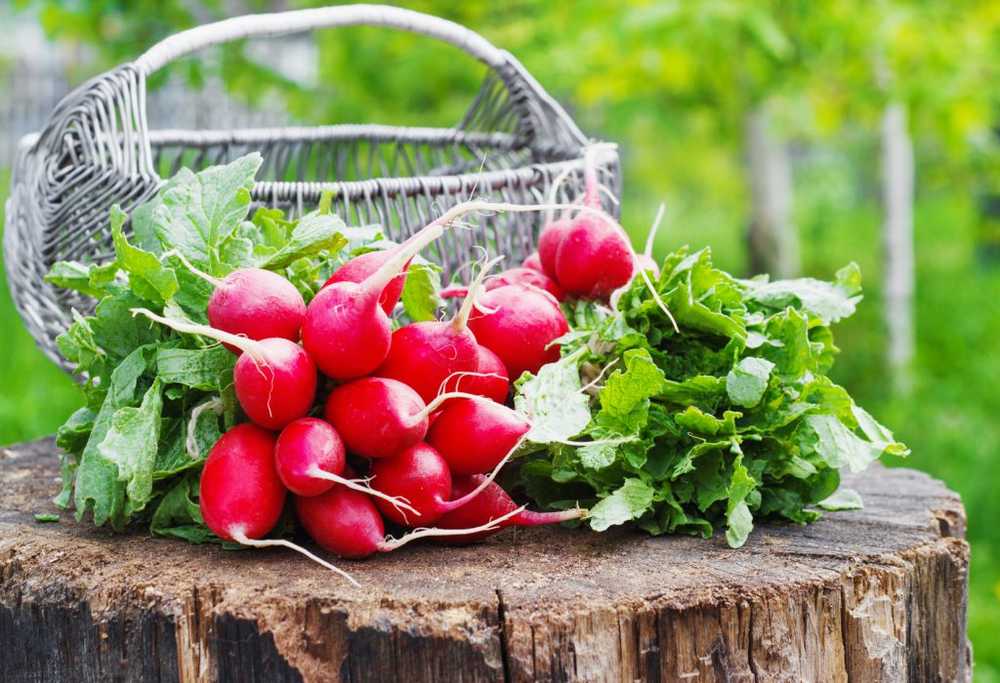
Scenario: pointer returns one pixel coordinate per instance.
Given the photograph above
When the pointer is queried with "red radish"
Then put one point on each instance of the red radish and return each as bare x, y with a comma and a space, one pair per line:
593, 256
275, 379
490, 378
276, 387
491, 504
534, 262
422, 475
378, 417
311, 460
347, 523
241, 493
519, 324
473, 435
342, 521
512, 276
258, 304
252, 302
548, 244
526, 276
345, 330
241, 496
425, 354
360, 267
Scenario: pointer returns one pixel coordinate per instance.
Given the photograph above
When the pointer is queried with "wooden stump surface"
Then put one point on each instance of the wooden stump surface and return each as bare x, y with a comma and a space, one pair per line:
872, 595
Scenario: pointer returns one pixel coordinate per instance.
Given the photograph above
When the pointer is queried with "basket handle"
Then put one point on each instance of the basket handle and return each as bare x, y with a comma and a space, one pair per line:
280, 23
540, 113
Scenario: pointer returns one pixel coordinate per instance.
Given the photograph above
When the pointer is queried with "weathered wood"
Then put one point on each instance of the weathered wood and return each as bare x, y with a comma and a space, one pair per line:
873, 595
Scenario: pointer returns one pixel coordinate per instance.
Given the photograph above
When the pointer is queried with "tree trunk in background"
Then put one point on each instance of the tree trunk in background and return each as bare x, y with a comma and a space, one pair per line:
897, 201
772, 240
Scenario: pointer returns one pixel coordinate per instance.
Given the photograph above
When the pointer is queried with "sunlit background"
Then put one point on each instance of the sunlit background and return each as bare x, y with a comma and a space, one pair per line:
791, 137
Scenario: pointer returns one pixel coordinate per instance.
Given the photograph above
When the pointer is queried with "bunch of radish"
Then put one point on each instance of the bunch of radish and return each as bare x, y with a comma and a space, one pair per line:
415, 426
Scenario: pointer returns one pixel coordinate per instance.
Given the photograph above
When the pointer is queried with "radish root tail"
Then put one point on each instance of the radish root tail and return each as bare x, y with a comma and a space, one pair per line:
240, 537
390, 543
401, 504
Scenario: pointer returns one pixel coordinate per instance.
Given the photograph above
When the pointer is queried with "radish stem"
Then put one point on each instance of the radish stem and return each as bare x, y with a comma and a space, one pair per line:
461, 319
242, 343
191, 442
651, 235
441, 398
658, 300
216, 282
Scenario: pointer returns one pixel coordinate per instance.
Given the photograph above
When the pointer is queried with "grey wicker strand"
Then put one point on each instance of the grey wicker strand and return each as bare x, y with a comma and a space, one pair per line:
97, 150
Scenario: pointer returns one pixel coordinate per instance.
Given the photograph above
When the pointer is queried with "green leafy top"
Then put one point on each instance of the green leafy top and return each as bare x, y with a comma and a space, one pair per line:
728, 418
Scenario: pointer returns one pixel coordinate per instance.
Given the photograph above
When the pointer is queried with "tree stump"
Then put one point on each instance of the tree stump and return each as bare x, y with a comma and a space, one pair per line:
872, 595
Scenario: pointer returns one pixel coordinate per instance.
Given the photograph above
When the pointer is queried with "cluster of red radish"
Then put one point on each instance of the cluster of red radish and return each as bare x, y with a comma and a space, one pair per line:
422, 407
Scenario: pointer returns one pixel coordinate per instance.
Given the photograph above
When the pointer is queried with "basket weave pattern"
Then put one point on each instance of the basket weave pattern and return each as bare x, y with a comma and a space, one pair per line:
97, 150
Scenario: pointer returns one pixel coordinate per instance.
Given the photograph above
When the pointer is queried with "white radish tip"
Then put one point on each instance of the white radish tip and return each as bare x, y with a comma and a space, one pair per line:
238, 535
390, 543
401, 504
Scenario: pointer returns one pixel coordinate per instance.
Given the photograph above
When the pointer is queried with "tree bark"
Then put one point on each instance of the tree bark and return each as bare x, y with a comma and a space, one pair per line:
872, 595
897, 201
772, 239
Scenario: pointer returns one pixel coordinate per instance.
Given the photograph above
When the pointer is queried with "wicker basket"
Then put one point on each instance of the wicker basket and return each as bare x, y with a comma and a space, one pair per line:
97, 150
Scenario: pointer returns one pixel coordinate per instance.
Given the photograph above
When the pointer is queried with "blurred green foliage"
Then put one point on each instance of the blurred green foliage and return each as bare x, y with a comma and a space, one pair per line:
671, 82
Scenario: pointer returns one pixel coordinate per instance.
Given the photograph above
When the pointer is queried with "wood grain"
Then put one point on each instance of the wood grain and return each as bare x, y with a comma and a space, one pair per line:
872, 595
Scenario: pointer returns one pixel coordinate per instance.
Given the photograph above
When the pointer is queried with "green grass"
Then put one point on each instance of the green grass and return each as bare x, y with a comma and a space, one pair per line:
950, 420
38, 396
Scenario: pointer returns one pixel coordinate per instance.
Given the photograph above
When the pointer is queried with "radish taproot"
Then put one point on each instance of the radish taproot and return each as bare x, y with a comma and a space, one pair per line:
311, 459
422, 475
474, 434
241, 496
347, 523
360, 267
275, 379
519, 324
490, 378
493, 503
